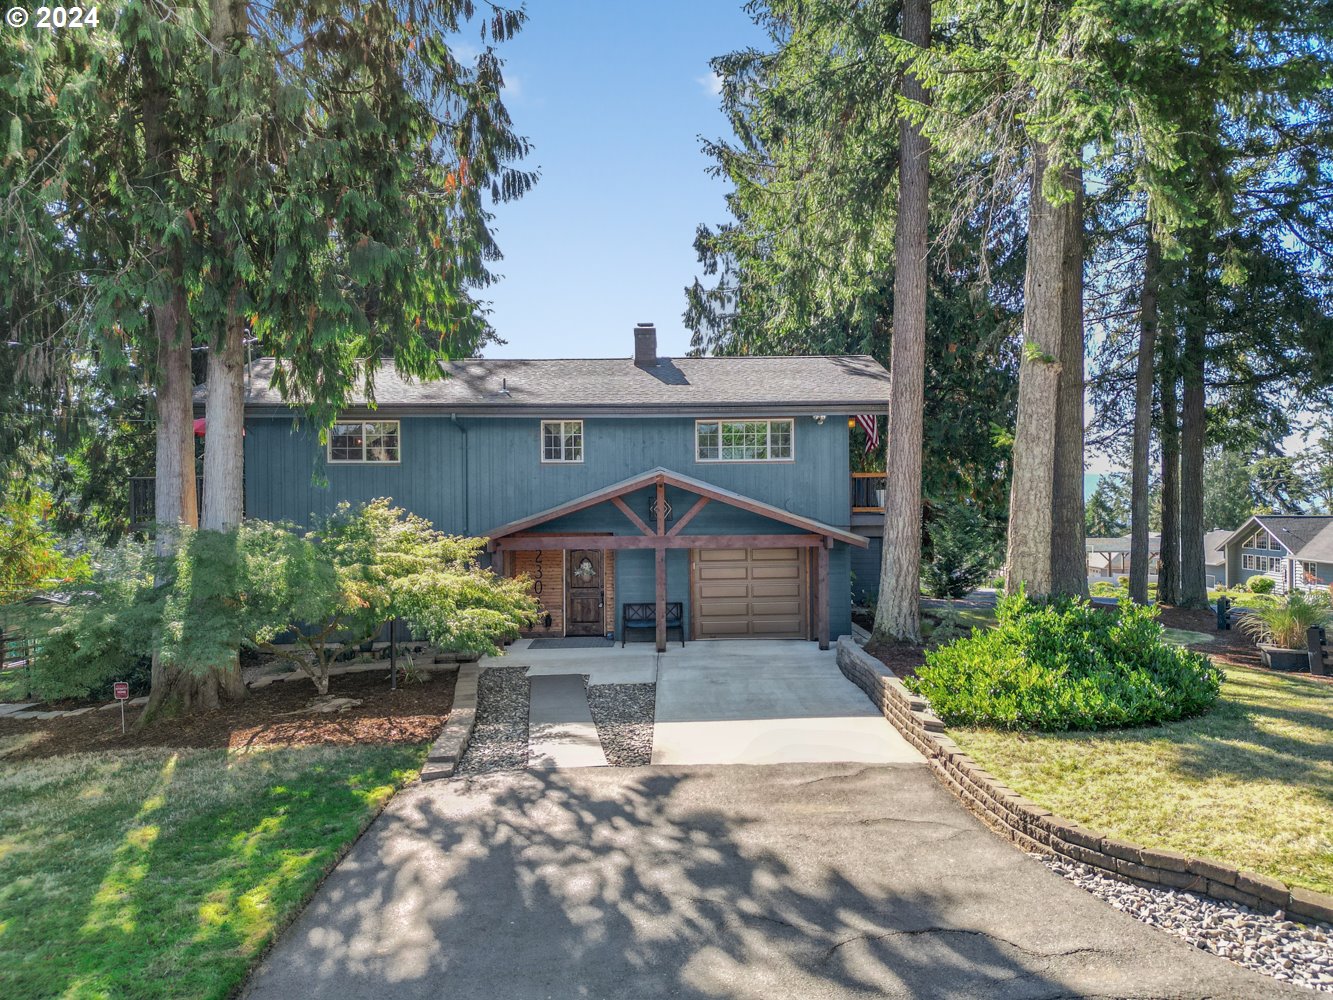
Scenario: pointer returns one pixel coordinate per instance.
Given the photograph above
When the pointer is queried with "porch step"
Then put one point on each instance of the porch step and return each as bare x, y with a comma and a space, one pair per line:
561, 732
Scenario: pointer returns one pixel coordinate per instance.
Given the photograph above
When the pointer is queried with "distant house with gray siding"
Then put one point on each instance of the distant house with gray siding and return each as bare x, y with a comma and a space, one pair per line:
719, 483
1296, 551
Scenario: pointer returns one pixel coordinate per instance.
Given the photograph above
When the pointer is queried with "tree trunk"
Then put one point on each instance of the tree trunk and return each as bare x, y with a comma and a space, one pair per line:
1143, 386
1031, 496
181, 690
897, 616
1193, 581
1168, 579
175, 498
1069, 556
225, 406
224, 442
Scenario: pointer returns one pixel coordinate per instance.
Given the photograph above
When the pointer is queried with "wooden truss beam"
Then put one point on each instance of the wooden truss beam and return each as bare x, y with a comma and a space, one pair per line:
531, 543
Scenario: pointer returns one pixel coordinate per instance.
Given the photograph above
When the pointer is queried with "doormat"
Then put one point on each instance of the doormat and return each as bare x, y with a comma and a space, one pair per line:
572, 642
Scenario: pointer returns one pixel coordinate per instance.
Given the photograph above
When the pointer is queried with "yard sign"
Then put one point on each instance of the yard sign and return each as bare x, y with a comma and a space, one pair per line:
121, 691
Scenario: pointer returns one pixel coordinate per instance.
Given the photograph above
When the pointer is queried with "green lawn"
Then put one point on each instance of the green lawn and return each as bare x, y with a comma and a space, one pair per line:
159, 873
1250, 783
966, 619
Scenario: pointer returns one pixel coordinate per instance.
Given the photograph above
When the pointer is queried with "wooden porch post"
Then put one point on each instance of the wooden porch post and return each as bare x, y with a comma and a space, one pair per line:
661, 577
660, 585
821, 612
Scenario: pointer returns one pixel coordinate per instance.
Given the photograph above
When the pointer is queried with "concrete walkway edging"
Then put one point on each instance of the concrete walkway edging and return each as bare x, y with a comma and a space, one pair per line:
448, 749
1038, 830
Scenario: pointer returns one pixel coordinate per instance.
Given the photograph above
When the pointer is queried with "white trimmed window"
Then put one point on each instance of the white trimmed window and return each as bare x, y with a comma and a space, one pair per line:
1264, 541
365, 441
562, 441
744, 440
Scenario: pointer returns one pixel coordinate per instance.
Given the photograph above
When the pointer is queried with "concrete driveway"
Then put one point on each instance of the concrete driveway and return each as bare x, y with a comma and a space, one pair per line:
799, 880
766, 702
750, 702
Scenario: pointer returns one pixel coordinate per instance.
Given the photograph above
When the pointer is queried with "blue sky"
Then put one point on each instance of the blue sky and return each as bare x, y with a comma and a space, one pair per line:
614, 97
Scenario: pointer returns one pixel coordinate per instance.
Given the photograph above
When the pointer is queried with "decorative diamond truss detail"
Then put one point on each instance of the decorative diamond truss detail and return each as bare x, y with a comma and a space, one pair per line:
666, 509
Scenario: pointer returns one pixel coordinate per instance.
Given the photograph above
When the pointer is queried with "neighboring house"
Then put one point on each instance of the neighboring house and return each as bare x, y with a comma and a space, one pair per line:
1108, 558
1215, 557
719, 483
1295, 550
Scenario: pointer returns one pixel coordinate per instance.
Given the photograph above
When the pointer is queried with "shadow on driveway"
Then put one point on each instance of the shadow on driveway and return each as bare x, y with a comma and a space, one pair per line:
811, 880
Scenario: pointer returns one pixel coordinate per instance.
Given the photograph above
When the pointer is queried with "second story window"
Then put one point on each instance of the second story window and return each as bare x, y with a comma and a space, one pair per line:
364, 441
744, 440
562, 440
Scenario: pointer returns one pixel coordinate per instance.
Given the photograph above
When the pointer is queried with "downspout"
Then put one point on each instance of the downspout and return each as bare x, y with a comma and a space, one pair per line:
467, 523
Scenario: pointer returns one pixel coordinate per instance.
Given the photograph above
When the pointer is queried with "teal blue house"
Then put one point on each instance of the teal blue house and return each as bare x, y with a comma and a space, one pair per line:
720, 484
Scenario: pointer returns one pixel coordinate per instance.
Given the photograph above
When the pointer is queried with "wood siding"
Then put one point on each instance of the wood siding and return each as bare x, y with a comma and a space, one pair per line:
506, 479
287, 480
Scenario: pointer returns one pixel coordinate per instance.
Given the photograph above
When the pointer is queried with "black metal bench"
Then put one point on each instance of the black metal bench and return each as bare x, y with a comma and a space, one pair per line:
1321, 657
644, 616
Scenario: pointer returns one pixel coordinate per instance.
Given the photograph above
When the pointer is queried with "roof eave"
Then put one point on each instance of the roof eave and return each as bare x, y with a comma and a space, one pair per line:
572, 410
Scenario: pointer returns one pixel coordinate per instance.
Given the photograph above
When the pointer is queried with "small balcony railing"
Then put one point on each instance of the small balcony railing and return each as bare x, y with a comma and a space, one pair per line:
867, 493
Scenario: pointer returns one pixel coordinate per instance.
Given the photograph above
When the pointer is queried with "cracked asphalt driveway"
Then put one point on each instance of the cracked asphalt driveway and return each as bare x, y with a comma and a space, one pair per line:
792, 880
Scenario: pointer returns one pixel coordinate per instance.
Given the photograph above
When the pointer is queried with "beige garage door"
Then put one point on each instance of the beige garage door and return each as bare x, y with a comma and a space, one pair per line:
749, 593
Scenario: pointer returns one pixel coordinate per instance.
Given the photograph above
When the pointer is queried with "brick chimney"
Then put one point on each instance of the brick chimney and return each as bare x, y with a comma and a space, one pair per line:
645, 345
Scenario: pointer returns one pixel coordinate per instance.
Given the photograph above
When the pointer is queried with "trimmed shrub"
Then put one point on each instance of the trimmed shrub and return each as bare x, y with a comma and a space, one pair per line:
1261, 584
1064, 664
102, 635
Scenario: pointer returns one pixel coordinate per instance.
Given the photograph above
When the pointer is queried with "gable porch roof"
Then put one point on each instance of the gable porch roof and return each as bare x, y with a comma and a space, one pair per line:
663, 476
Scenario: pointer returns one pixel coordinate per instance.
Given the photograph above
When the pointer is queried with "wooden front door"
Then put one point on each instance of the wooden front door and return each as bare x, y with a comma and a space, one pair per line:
584, 588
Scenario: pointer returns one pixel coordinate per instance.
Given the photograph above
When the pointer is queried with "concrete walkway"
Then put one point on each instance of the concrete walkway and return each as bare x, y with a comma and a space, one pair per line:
636, 664
561, 732
818, 881
766, 702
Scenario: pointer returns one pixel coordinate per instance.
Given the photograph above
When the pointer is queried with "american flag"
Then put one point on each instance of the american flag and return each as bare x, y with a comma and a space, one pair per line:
870, 424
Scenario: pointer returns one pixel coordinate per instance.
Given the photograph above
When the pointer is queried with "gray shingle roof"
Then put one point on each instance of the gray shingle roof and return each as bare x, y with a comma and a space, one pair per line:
1212, 545
839, 384
1320, 547
1295, 532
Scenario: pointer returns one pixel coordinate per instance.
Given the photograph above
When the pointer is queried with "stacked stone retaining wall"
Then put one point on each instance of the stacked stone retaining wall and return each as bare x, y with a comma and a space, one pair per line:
1039, 830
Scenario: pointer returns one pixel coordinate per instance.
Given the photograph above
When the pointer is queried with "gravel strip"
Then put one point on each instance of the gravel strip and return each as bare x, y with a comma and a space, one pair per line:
500, 737
623, 714
1295, 953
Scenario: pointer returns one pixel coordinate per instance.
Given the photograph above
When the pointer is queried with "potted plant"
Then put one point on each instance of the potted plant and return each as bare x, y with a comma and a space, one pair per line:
1279, 629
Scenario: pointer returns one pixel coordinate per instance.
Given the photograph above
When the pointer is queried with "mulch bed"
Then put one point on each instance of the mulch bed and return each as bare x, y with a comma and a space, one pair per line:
1232, 647
901, 657
270, 717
